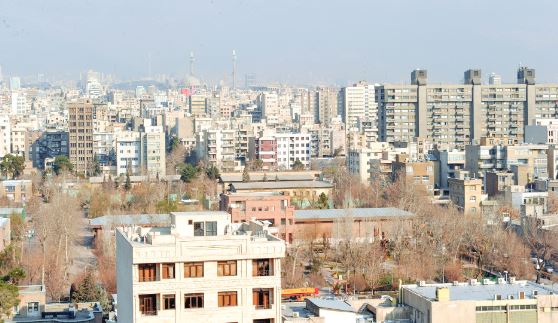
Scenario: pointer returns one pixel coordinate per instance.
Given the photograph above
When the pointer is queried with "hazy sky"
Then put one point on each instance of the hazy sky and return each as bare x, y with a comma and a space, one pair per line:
299, 41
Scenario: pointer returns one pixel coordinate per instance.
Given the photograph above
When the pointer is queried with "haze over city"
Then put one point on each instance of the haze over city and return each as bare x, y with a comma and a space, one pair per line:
301, 42
243, 161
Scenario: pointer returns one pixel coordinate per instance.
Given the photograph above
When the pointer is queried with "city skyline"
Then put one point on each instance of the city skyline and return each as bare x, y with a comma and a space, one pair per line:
319, 43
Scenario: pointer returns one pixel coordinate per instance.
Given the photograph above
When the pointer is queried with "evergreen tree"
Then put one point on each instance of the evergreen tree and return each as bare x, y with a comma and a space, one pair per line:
86, 290
8, 299
245, 175
128, 183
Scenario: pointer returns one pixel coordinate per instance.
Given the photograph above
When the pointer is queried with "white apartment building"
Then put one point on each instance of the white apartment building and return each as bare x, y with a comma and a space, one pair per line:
359, 161
5, 135
359, 105
200, 269
269, 104
218, 147
292, 147
128, 153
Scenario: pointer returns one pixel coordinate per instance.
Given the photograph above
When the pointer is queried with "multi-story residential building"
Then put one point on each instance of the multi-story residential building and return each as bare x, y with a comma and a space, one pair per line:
501, 154
415, 171
17, 191
19, 141
5, 135
359, 106
218, 147
268, 103
104, 147
264, 206
486, 301
202, 268
266, 151
495, 183
128, 153
543, 131
197, 105
292, 147
50, 144
466, 194
153, 152
359, 161
328, 105
84, 117
458, 115
449, 163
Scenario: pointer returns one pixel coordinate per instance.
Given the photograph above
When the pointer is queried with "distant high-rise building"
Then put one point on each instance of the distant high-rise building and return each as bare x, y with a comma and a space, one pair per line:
84, 117
250, 80
15, 83
359, 106
455, 115
328, 104
494, 79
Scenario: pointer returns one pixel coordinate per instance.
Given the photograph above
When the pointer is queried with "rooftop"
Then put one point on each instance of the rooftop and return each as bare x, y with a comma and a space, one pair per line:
330, 214
131, 219
280, 184
331, 304
483, 292
271, 176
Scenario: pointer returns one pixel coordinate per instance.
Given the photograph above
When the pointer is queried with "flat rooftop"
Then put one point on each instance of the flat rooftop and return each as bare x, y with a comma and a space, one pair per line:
331, 214
271, 176
281, 184
483, 292
131, 219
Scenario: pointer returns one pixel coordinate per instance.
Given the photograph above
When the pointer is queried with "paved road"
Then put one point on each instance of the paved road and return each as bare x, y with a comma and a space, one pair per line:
83, 252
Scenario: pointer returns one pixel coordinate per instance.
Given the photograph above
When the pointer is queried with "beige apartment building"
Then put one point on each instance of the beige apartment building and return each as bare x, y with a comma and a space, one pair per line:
466, 194
202, 268
455, 115
486, 301
84, 118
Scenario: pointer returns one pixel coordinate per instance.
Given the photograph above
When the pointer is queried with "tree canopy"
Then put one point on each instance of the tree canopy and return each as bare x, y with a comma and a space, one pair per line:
62, 164
12, 166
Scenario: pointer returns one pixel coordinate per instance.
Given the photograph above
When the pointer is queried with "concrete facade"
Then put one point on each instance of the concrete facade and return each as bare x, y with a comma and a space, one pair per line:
188, 272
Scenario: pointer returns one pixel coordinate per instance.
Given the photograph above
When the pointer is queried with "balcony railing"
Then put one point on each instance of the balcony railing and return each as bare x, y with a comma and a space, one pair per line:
149, 312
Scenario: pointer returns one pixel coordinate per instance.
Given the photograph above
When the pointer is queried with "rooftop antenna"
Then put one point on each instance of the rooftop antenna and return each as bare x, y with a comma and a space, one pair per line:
234, 69
192, 60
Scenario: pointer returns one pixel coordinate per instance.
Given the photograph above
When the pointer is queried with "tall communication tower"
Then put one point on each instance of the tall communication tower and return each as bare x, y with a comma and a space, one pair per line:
192, 60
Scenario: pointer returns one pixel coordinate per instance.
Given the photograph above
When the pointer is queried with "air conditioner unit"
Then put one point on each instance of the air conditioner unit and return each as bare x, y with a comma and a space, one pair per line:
422, 283
296, 315
485, 281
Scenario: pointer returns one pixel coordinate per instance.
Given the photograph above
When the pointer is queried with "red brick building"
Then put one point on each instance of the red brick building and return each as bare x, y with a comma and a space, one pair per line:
273, 207
266, 151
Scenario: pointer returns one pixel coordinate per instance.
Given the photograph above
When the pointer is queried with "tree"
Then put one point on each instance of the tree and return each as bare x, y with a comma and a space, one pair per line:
86, 290
322, 201
12, 166
188, 172
8, 299
298, 165
62, 164
257, 164
128, 183
212, 172
245, 175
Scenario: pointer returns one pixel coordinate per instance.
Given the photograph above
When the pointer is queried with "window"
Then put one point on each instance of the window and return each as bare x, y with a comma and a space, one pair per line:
226, 268
169, 302
211, 228
472, 199
168, 271
193, 300
262, 298
32, 307
147, 272
227, 299
198, 229
262, 267
193, 269
148, 304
